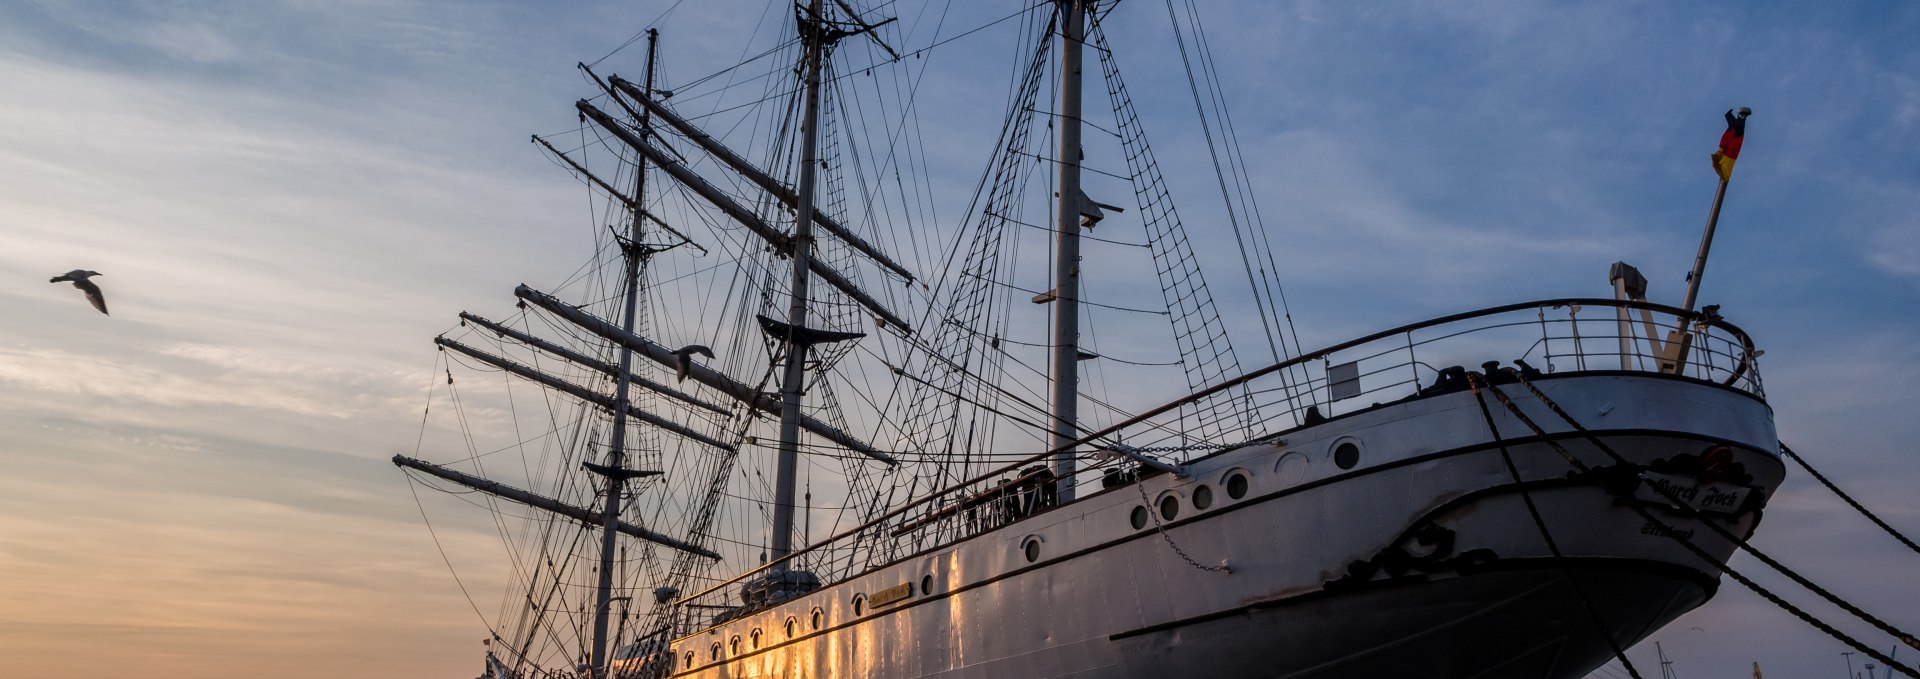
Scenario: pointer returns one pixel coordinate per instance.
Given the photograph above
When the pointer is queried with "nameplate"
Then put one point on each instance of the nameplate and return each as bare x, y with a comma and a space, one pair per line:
1717, 498
891, 594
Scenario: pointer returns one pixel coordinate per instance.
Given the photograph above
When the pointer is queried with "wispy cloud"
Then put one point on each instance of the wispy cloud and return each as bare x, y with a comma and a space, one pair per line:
290, 199
238, 380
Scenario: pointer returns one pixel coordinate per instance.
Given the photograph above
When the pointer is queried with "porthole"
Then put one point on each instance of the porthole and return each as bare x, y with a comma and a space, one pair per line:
689, 659
859, 604
716, 650
792, 626
1346, 455
1169, 507
1290, 469
755, 639
819, 617
733, 645
926, 585
1032, 549
1139, 518
1237, 486
1202, 497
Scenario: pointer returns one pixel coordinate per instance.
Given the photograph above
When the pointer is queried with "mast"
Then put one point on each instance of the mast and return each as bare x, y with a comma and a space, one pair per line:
1066, 266
617, 453
813, 38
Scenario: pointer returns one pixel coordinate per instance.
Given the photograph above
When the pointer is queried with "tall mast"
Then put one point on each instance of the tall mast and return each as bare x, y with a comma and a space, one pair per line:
1066, 265
813, 39
617, 453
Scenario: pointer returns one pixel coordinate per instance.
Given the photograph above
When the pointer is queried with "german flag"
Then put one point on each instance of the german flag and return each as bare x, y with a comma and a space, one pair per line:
1730, 141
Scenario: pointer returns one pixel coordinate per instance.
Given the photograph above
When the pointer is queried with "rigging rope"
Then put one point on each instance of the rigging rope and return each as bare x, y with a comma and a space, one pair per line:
1237, 166
1226, 196
443, 553
1206, 352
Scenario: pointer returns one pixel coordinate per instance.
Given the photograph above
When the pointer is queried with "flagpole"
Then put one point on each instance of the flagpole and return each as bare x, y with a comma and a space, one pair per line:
1706, 243
1680, 340
1684, 340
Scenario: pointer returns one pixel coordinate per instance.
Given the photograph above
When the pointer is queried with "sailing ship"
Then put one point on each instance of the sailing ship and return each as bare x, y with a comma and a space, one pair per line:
750, 337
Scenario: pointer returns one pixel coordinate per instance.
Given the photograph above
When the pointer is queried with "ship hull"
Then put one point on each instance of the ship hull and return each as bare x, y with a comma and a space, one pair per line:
1517, 621
1419, 556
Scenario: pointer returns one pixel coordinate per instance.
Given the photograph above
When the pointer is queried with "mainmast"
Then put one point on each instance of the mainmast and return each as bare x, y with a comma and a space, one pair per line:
615, 469
1066, 266
813, 40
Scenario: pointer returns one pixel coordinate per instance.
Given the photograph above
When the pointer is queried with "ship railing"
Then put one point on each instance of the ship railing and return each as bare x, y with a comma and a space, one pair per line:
1556, 336
1548, 337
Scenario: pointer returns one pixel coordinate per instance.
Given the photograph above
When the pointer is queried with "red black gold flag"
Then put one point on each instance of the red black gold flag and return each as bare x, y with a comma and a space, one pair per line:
1730, 140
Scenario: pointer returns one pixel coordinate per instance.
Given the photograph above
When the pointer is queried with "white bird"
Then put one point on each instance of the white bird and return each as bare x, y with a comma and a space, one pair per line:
686, 357
78, 277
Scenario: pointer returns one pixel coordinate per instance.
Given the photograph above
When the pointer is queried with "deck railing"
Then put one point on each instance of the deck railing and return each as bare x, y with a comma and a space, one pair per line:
1551, 336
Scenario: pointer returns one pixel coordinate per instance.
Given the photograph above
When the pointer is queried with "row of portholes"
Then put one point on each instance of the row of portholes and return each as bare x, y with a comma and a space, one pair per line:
1236, 483
818, 618
1346, 455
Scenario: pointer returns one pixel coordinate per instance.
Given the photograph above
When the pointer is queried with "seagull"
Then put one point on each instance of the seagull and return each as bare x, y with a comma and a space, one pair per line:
686, 357
78, 277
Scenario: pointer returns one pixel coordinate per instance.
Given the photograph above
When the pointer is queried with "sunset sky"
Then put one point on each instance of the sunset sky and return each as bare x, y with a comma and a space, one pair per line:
289, 200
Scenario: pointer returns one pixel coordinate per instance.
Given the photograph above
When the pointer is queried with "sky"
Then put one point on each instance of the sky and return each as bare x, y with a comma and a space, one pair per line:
289, 200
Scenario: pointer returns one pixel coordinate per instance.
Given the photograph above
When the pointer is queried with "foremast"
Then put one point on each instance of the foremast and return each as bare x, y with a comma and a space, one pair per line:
813, 40
817, 37
616, 469
818, 34
1066, 267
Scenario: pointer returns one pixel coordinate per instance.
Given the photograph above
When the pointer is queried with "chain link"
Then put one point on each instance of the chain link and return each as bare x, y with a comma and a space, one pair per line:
1162, 530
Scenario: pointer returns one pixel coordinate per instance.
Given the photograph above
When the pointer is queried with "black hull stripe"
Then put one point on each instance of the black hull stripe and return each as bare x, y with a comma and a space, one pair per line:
1582, 563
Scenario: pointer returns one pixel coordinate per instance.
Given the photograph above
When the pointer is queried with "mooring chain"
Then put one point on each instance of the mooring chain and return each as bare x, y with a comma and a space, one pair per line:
1784, 448
1475, 382
1162, 530
1692, 512
1183, 449
1696, 550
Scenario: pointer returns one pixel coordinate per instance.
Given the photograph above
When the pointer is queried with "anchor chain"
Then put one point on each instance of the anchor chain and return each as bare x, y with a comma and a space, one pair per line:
1162, 530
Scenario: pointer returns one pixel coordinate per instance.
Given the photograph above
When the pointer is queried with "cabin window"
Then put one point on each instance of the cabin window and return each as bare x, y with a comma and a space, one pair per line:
926, 585
733, 645
1169, 507
792, 626
1032, 549
689, 659
1139, 518
819, 616
1202, 497
716, 650
1237, 486
1346, 455
859, 604
755, 638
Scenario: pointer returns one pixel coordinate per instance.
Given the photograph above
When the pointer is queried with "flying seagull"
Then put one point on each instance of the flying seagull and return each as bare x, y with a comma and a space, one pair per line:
78, 277
686, 357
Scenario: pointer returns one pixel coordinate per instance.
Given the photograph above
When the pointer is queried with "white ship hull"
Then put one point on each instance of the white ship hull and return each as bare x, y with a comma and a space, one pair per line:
1421, 560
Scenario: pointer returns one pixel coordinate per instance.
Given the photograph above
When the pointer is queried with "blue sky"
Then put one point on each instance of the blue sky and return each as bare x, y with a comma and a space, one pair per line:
289, 200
